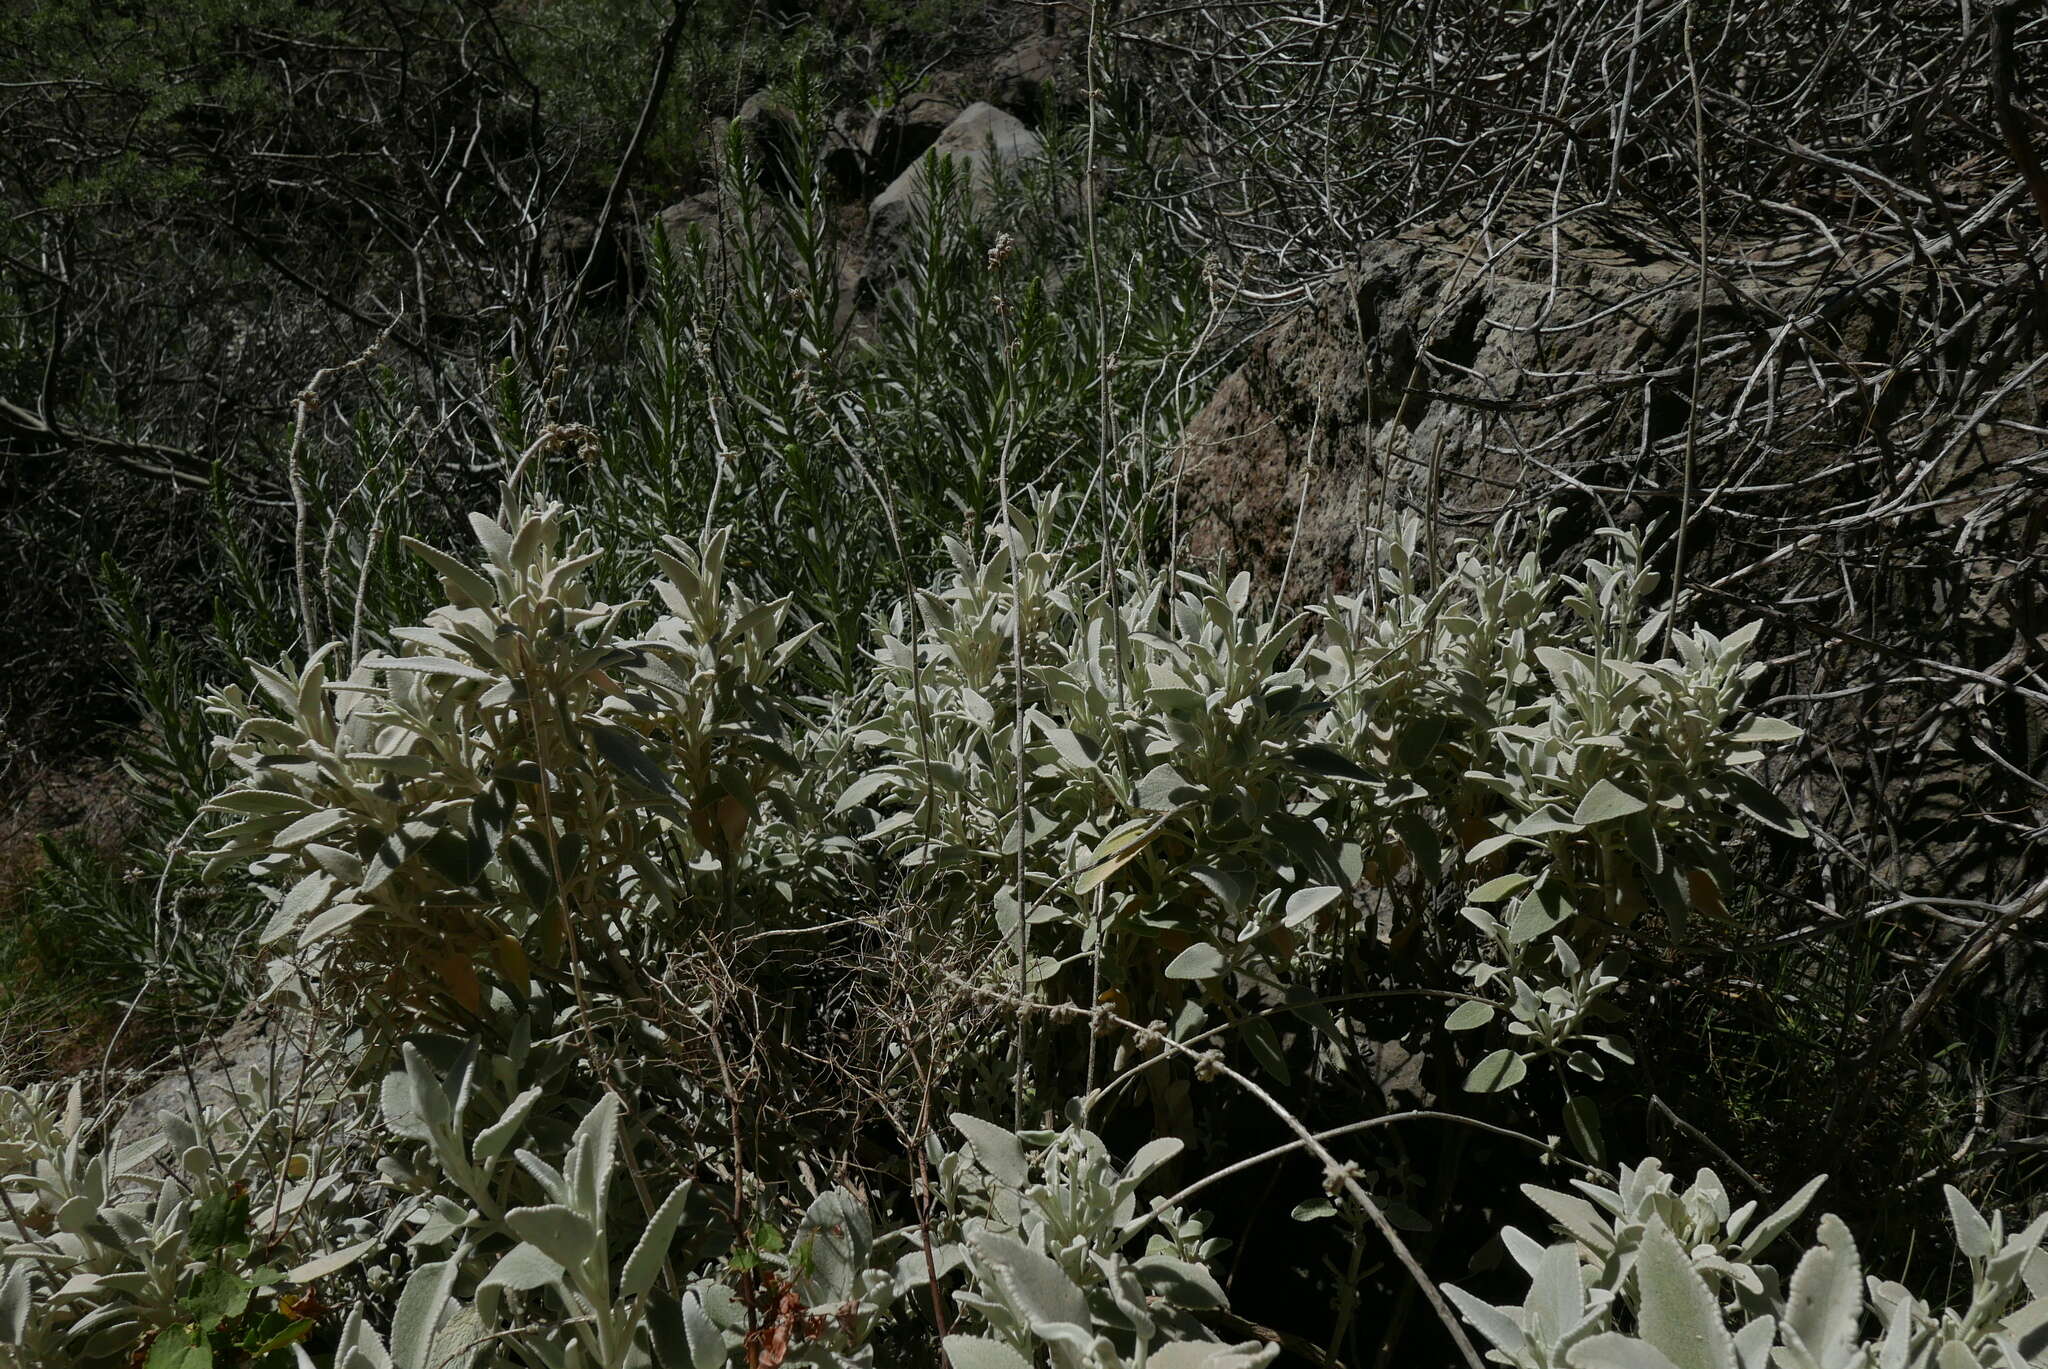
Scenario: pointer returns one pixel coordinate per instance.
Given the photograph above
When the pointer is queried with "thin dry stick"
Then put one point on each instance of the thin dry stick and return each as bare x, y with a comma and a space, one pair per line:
1012, 539
1336, 1174
2011, 123
657, 86
295, 475
1699, 335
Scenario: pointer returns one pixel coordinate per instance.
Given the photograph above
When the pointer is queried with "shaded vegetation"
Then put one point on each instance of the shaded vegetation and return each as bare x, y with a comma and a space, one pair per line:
759, 831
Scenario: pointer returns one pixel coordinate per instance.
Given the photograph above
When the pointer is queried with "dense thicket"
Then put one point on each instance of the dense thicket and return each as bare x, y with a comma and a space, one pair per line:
757, 818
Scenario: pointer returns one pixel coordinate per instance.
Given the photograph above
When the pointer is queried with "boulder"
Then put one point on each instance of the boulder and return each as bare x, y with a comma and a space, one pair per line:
1043, 70
984, 146
906, 131
270, 1042
615, 266
772, 138
845, 157
700, 219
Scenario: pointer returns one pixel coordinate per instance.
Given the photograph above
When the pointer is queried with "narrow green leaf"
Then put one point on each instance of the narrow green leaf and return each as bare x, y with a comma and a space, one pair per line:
217, 1294
1582, 1125
179, 1347
644, 1264
1113, 852
220, 1223
1264, 1044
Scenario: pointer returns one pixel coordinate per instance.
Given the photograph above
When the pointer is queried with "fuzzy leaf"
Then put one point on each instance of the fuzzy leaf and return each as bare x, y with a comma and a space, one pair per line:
972, 1352
1499, 1071
1678, 1314
1113, 852
1199, 961
1304, 904
14, 1304
420, 1310
331, 1263
1195, 1354
1163, 789
999, 1150
1615, 1351
1557, 1294
1973, 1233
492, 1140
707, 1347
457, 579
1824, 1305
1039, 1290
524, 1267
1180, 1283
1321, 760
644, 1264
1469, 1016
1760, 803
1490, 1321
1605, 802
1574, 1216
839, 1232
1770, 1228
430, 665
563, 1234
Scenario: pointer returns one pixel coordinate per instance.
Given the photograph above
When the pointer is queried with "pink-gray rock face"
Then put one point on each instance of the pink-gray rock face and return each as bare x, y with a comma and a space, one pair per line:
1864, 451
1470, 369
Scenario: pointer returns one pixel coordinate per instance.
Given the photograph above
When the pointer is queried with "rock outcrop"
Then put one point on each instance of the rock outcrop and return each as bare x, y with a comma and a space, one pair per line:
1867, 476
1467, 370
